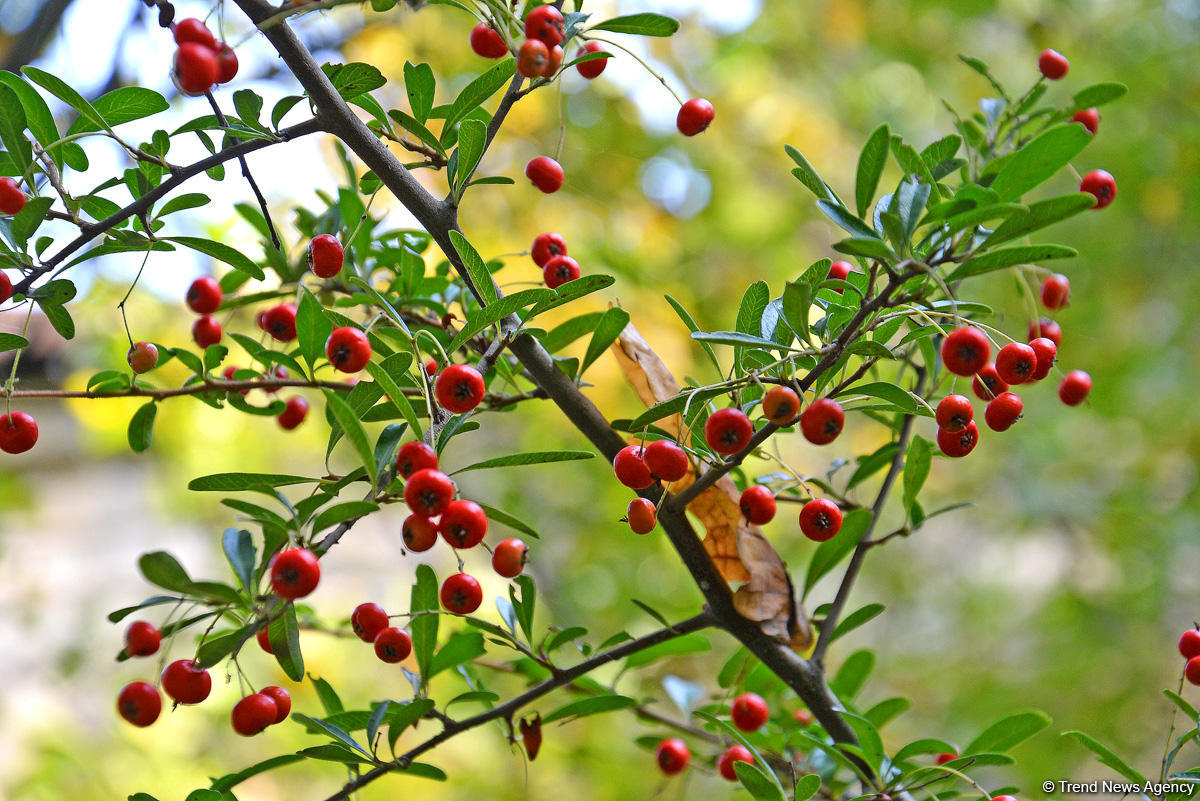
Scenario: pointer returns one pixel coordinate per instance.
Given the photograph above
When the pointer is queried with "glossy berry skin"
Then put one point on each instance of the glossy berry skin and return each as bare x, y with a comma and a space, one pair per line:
414, 456
560, 270
1072, 391
253, 713
459, 388
294, 573
509, 557
204, 295
1189, 644
1003, 798
545, 173
486, 42
1045, 327
1055, 291
987, 383
463, 524
325, 256
965, 351
142, 357
227, 64
631, 469
694, 116
431, 367
186, 682
6, 288
547, 246
428, 492
348, 349
641, 516
958, 443
18, 432
546, 24
1016, 363
822, 421
139, 703
142, 638
1101, 184
666, 460
553, 62
282, 699
1003, 411
1089, 118
196, 68
194, 30
393, 645
757, 504
532, 58
942, 759
749, 712
592, 69
12, 199
820, 519
419, 533
461, 594
1053, 64
264, 640
1046, 352
281, 322
839, 270
368, 620
780, 405
672, 756
206, 331
293, 414
1192, 670
735, 753
954, 413
728, 430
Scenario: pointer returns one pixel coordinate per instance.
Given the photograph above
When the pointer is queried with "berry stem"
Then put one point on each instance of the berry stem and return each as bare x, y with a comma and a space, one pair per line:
639, 60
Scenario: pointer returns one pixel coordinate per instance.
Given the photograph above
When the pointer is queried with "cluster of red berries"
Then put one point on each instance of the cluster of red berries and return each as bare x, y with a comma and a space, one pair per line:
12, 200
371, 624
1189, 648
1054, 65
549, 252
18, 430
749, 712
201, 61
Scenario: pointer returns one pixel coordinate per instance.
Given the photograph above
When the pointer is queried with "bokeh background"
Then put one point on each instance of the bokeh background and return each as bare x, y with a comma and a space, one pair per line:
1063, 588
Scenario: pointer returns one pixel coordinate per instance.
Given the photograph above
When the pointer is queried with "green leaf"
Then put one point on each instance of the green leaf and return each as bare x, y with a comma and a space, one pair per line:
808, 176
37, 114
1009, 732
420, 84
853, 674
312, 329
471, 136
461, 647
524, 606
855, 619
354, 79
500, 516
424, 628
590, 706
248, 106
870, 166
385, 373
909, 204
1175, 698
808, 786
755, 779
163, 570
1039, 160
532, 457
926, 745
886, 710
281, 108
572, 290
692, 327
982, 69
340, 513
868, 248
865, 732
334, 752
417, 129
233, 779
353, 429
1006, 257
1039, 215
567, 332
333, 731
676, 405
191, 200
215, 649
607, 330
284, 637
332, 704
687, 644
479, 319
640, 25
1098, 94
898, 397
154, 600
239, 550
736, 338
750, 310
231, 482
221, 252
475, 94
1106, 756
141, 426
125, 104
833, 550
477, 271
66, 94
12, 341
12, 129
60, 319
845, 220
916, 469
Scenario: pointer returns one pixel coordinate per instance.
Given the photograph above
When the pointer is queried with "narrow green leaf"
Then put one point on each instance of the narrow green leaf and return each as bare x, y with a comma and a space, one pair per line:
916, 469
334, 752
640, 25
807, 175
476, 93
340, 513
155, 600
500, 516
424, 628
926, 745
909, 204
1098, 94
808, 786
891, 393
354, 79
477, 271
37, 114
870, 167
833, 550
1006, 257
231, 482
386, 374
221, 252
845, 220
12, 129
312, 329
141, 427
462, 647
333, 731
233, 779
1039, 160
754, 779
532, 457
163, 570
1040, 215
122, 105
419, 84
284, 636
982, 69
852, 675
471, 136
868, 248
886, 710
1106, 756
572, 290
607, 330
332, 704
479, 319
240, 551
417, 129
590, 706
692, 327
676, 405
12, 341
353, 429
1009, 732
214, 649
855, 619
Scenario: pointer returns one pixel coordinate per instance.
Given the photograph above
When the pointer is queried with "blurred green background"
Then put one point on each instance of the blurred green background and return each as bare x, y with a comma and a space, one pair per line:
1063, 588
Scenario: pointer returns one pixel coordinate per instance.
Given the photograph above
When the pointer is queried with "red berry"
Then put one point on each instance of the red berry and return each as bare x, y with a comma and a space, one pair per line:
1072, 391
227, 64
987, 383
142, 357
1053, 64
559, 270
196, 68
1089, 118
282, 699
820, 519
1046, 352
1102, 185
486, 42
18, 432
280, 322
5, 282
839, 270
822, 421
1192, 670
1055, 291
1189, 644
757, 504
461, 594
428, 492
954, 412
532, 58
12, 200
293, 414
193, 30
728, 430
672, 756
260, 319
1003, 798
139, 703
419, 533
666, 460
545, 23
641, 515
694, 116
591, 69
553, 62
734, 753
206, 331
780, 405
204, 295
393, 645
1045, 327
965, 350
368, 620
508, 559
186, 681
546, 247
348, 349
1016, 363
325, 255
142, 638
459, 388
749, 712
631, 469
942, 759
958, 443
414, 456
545, 173
264, 640
463, 524
294, 573
1003, 411
253, 713
431, 367
803, 717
